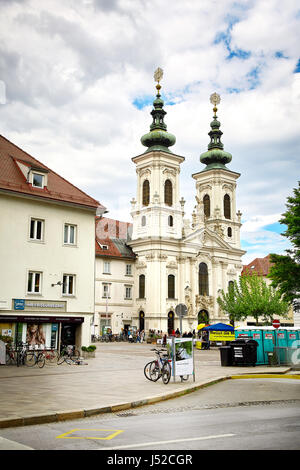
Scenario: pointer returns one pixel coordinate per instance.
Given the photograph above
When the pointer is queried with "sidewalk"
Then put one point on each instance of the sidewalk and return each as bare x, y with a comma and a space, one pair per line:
114, 380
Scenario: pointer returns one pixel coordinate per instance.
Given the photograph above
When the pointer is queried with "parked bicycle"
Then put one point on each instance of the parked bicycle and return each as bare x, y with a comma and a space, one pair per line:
51, 356
11, 356
69, 354
21, 351
160, 367
34, 357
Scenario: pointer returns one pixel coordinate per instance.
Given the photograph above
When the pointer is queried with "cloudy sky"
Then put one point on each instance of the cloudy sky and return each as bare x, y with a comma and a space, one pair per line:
76, 87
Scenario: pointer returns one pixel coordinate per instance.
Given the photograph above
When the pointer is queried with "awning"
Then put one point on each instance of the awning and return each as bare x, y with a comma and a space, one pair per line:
219, 327
200, 326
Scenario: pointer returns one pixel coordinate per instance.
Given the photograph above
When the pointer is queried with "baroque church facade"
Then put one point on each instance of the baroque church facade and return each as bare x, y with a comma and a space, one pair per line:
180, 261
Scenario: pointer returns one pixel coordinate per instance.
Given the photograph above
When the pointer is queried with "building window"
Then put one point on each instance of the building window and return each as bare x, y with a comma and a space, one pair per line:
170, 221
230, 286
143, 221
106, 267
34, 282
106, 291
171, 286
68, 284
229, 232
142, 286
69, 234
206, 204
37, 180
168, 193
203, 279
128, 269
128, 290
146, 193
227, 209
36, 229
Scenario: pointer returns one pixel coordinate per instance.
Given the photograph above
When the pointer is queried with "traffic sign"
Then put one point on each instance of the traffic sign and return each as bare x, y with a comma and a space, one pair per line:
181, 310
276, 323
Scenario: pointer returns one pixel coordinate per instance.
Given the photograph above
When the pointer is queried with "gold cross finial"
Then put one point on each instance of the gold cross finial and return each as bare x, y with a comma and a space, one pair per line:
158, 75
215, 99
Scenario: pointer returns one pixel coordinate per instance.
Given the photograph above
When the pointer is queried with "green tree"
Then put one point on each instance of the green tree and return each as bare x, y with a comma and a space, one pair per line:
252, 297
285, 272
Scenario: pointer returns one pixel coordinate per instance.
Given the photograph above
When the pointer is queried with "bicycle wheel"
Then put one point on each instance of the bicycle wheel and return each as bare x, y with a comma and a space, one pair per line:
75, 355
52, 357
151, 371
30, 359
166, 373
41, 360
61, 358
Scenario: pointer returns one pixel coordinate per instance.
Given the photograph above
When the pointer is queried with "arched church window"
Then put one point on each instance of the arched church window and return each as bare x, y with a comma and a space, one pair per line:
227, 208
203, 279
168, 193
170, 221
171, 286
142, 286
143, 221
146, 193
206, 204
229, 232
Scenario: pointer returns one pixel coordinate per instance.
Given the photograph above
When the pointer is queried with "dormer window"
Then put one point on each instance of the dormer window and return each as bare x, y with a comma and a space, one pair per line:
38, 180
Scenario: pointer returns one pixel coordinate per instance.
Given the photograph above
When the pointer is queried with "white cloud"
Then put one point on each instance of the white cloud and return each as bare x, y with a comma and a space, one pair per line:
73, 69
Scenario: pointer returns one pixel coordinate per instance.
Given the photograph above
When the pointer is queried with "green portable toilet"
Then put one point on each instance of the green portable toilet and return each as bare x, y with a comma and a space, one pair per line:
269, 341
281, 343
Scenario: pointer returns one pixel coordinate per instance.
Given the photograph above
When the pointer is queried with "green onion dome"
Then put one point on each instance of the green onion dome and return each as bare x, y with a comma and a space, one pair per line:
158, 138
215, 157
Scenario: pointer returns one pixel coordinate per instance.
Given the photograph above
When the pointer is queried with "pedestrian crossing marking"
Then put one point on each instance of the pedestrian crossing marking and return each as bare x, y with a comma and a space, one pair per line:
113, 433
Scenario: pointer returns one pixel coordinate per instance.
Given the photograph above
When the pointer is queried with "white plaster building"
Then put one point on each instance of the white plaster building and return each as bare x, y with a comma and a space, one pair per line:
47, 252
114, 276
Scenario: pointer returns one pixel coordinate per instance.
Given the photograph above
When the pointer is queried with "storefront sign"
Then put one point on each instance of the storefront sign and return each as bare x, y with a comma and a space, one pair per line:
221, 336
24, 304
19, 304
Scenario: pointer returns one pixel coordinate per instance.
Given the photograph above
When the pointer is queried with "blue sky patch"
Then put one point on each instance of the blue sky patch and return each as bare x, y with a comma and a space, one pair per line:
142, 101
297, 69
276, 227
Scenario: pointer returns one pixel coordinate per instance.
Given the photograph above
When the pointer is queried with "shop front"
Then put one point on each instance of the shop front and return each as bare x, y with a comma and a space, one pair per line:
38, 327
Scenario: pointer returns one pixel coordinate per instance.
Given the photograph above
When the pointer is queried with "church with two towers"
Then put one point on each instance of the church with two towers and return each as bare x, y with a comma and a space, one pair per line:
180, 261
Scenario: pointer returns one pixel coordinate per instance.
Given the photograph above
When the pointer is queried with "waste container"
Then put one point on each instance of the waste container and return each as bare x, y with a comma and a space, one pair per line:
226, 356
244, 352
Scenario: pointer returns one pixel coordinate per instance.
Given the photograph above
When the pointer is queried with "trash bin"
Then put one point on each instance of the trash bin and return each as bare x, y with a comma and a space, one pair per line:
244, 352
226, 356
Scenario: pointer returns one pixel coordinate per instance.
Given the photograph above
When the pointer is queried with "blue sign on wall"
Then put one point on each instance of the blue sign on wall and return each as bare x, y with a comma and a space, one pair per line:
19, 304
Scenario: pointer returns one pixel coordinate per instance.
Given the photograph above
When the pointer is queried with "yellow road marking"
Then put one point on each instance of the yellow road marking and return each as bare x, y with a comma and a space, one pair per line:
66, 435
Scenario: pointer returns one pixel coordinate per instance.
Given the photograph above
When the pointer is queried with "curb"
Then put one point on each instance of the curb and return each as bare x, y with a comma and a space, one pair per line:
69, 415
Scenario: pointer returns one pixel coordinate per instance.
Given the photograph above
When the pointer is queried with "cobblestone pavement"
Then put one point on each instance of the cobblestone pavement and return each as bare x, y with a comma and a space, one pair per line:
112, 381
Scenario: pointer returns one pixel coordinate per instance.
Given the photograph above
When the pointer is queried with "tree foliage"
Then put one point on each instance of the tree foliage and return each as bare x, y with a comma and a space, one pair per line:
285, 272
252, 297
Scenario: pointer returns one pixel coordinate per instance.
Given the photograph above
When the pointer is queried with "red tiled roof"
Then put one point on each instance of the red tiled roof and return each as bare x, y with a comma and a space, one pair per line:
12, 178
111, 228
260, 266
111, 236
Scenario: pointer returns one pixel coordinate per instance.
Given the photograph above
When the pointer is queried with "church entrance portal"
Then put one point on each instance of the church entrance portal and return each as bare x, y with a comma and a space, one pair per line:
142, 321
170, 322
203, 317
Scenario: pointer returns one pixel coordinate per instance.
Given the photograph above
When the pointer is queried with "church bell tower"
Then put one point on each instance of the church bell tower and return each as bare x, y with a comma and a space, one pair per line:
157, 210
